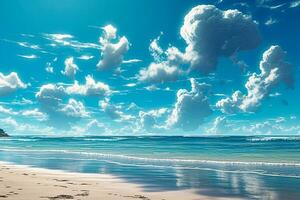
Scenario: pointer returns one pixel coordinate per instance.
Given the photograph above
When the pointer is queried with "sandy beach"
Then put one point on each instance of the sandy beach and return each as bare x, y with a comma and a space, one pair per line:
26, 183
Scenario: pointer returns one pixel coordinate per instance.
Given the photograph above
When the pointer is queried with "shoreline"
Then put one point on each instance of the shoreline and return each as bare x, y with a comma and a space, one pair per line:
22, 182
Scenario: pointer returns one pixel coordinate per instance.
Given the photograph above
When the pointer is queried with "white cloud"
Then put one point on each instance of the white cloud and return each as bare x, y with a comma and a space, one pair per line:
165, 66
156, 50
90, 88
219, 126
130, 85
152, 88
8, 111
35, 113
294, 4
85, 57
231, 104
191, 107
271, 21
70, 68
19, 128
211, 33
69, 41
95, 127
276, 94
159, 72
59, 37
32, 56
112, 54
75, 109
131, 61
51, 98
10, 83
149, 121
9, 121
133, 107
49, 68
23, 101
273, 70
28, 45
50, 95
112, 111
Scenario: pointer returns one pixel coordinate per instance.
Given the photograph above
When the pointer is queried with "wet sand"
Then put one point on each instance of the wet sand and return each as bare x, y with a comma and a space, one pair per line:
26, 183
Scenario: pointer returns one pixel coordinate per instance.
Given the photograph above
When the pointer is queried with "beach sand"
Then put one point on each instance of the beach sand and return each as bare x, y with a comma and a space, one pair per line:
25, 183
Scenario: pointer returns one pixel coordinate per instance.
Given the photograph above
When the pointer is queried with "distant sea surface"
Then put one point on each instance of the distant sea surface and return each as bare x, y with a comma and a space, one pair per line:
250, 167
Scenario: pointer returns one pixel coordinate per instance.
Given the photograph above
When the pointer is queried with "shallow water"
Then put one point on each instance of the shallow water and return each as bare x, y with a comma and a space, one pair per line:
260, 167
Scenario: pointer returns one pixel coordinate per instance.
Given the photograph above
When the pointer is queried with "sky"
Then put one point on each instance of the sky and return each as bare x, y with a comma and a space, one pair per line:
74, 68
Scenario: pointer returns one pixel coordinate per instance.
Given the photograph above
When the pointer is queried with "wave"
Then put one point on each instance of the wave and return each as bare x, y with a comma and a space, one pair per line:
266, 139
164, 161
104, 139
19, 139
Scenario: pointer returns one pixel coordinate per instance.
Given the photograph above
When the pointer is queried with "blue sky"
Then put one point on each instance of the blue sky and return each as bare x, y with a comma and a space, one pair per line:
149, 67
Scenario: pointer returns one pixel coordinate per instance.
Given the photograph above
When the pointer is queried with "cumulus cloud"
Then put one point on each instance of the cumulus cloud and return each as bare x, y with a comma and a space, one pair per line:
149, 120
34, 113
50, 95
7, 111
219, 125
273, 70
112, 111
191, 107
211, 33
95, 127
231, 104
159, 72
70, 68
165, 66
112, 53
75, 109
51, 98
90, 88
18, 127
9, 121
10, 83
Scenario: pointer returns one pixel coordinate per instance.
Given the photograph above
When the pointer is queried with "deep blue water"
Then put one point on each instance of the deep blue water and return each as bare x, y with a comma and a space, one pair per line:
251, 167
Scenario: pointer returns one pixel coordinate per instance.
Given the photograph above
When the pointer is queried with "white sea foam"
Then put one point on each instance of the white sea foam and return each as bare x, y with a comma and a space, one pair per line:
266, 139
18, 139
104, 139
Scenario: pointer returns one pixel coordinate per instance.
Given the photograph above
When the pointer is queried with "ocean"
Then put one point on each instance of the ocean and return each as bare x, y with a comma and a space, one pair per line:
249, 167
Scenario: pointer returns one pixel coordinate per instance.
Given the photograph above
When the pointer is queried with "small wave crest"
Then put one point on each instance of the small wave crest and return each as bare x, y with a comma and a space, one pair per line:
267, 139
19, 139
104, 139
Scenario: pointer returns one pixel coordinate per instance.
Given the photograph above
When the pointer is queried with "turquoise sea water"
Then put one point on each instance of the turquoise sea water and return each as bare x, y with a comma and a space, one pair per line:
250, 167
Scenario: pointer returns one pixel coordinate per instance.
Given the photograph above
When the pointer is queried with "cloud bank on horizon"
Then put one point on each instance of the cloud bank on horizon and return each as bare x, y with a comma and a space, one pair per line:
227, 73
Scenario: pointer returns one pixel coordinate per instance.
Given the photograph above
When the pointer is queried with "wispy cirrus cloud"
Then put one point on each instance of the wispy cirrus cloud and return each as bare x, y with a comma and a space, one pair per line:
69, 41
32, 56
